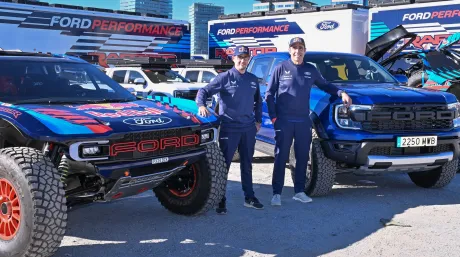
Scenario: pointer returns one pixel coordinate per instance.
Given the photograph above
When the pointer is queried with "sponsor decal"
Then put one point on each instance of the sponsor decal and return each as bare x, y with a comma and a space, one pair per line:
106, 106
154, 145
88, 122
115, 26
184, 114
427, 41
147, 121
256, 30
127, 113
10, 111
227, 52
327, 25
446, 14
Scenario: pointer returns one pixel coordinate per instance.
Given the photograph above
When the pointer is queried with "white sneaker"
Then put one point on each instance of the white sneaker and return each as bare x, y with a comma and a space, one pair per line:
302, 197
276, 200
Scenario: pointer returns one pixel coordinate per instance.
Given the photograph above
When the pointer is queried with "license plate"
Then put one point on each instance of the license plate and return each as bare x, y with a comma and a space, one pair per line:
417, 141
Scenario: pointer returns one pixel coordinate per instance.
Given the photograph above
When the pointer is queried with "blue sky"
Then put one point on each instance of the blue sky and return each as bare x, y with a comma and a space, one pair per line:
180, 7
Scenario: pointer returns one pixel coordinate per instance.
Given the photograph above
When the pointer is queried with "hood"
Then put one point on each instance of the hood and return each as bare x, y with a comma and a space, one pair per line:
183, 86
86, 120
391, 93
378, 47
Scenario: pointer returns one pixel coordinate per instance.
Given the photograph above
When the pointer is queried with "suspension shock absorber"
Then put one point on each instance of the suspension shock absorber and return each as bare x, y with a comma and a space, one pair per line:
58, 157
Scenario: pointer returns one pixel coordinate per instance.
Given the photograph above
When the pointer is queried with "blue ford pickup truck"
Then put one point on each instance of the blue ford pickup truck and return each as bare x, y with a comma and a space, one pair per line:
389, 127
70, 135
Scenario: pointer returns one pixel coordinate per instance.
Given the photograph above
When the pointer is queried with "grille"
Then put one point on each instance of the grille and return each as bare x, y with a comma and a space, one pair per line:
392, 151
148, 137
407, 125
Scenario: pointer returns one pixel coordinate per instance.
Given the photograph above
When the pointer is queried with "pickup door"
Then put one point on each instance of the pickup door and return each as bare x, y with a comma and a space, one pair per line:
263, 68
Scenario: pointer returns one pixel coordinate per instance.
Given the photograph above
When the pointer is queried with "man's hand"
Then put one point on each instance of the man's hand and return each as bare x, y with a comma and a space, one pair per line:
346, 99
203, 111
258, 125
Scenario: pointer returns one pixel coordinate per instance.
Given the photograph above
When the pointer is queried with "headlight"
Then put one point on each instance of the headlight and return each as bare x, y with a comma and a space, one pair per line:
456, 108
342, 116
208, 136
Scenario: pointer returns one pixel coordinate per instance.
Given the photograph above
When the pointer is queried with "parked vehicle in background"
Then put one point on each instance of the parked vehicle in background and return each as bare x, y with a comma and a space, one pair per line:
146, 76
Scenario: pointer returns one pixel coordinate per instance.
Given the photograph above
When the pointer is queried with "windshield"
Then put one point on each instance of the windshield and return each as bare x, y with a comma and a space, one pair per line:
164, 76
48, 82
350, 69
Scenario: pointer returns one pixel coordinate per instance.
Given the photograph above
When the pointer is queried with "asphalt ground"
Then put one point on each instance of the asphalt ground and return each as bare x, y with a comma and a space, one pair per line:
383, 215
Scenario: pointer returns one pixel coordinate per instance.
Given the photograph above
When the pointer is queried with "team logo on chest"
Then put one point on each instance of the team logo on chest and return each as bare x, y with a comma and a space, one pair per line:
307, 74
287, 75
233, 84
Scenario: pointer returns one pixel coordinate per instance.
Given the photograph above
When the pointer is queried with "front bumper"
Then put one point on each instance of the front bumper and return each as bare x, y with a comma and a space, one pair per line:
149, 166
385, 154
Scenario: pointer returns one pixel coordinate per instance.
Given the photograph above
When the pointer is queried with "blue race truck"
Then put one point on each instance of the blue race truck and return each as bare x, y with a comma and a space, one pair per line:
71, 135
389, 127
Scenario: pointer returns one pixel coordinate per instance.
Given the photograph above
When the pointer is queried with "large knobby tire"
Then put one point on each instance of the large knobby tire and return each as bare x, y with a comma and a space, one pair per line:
417, 79
437, 178
39, 211
321, 170
206, 190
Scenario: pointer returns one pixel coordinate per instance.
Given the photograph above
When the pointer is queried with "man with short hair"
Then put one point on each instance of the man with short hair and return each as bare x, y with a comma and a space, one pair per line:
291, 83
240, 111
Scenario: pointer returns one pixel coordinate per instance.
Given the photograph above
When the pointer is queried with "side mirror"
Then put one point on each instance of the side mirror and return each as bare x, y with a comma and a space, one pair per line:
401, 78
140, 81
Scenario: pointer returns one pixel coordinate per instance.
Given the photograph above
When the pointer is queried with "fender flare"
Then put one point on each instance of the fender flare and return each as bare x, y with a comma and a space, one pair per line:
318, 126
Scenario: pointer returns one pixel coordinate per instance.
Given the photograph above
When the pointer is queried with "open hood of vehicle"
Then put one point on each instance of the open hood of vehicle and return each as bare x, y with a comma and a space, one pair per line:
378, 47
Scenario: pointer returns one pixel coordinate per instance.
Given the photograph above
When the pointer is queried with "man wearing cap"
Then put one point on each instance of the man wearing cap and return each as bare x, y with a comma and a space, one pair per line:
240, 111
291, 82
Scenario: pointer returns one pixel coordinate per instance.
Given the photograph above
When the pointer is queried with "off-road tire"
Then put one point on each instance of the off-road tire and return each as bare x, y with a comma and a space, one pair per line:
437, 178
321, 170
210, 186
43, 211
415, 80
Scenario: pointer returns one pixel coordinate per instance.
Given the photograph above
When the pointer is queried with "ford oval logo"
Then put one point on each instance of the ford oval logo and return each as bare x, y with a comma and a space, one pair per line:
147, 121
327, 25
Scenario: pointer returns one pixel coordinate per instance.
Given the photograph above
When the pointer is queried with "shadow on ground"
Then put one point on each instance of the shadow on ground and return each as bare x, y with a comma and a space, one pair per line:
140, 226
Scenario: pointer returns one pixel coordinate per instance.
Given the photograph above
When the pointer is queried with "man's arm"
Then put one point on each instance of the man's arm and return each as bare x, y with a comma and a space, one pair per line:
210, 89
272, 89
324, 85
258, 105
